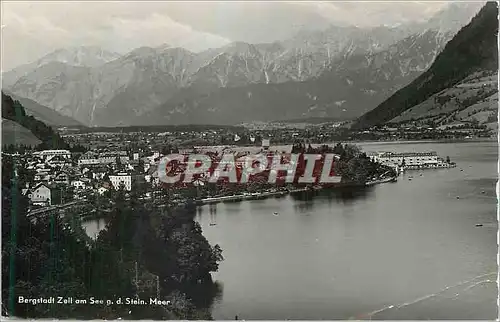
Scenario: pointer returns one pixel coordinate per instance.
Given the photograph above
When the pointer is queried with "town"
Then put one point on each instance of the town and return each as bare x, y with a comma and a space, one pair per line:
101, 163
253, 134
59, 177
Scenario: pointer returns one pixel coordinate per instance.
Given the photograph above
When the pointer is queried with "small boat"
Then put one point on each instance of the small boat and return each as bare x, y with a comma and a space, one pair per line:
479, 225
483, 191
213, 224
458, 197
275, 213
421, 174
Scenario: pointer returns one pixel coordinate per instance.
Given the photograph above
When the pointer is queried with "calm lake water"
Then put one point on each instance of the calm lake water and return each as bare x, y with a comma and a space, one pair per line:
404, 250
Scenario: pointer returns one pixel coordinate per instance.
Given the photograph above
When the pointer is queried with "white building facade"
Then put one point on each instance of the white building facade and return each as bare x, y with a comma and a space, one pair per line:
410, 160
41, 195
121, 179
127, 180
63, 153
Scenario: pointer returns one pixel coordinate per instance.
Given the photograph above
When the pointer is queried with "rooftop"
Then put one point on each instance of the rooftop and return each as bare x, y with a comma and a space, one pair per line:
406, 154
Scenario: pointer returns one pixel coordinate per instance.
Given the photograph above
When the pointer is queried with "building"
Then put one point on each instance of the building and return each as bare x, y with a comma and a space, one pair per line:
265, 144
41, 194
62, 178
128, 181
411, 160
407, 158
42, 175
102, 190
57, 161
44, 194
91, 158
78, 184
88, 158
47, 153
111, 157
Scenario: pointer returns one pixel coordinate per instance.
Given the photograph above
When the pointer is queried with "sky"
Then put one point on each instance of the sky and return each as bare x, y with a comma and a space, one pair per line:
31, 29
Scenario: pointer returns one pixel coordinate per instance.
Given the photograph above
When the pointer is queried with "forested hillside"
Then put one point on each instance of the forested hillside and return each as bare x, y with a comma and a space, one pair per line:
473, 49
14, 111
142, 253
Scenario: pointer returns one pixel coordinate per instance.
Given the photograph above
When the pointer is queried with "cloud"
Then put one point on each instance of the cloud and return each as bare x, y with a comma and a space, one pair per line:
162, 29
250, 21
372, 13
34, 29
35, 25
24, 40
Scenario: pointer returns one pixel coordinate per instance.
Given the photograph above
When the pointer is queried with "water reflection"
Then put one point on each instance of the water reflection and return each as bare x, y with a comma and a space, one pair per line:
345, 195
213, 215
304, 207
303, 201
335, 254
204, 295
213, 210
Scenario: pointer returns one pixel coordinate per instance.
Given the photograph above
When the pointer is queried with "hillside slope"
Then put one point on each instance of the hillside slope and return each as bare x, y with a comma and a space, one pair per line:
472, 101
473, 49
15, 134
43, 113
13, 111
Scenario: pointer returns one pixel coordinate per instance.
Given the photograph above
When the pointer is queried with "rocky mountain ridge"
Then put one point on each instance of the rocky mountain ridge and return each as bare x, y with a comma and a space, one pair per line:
346, 90
82, 56
126, 90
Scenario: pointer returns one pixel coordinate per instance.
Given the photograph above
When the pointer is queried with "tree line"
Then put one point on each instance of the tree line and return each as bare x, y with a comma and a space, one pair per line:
143, 252
14, 111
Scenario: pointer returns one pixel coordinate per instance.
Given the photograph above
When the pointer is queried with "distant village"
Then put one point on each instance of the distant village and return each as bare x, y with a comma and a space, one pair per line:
129, 161
113, 160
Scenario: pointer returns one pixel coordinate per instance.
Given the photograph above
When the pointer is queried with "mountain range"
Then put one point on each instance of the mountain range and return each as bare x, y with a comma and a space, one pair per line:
341, 72
89, 56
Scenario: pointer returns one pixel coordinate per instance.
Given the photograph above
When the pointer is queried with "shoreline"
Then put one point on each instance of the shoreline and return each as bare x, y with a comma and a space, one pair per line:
374, 142
426, 141
380, 181
265, 195
249, 196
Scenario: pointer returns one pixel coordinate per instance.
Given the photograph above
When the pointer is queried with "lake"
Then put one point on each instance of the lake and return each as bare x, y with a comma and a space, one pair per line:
404, 250
341, 258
